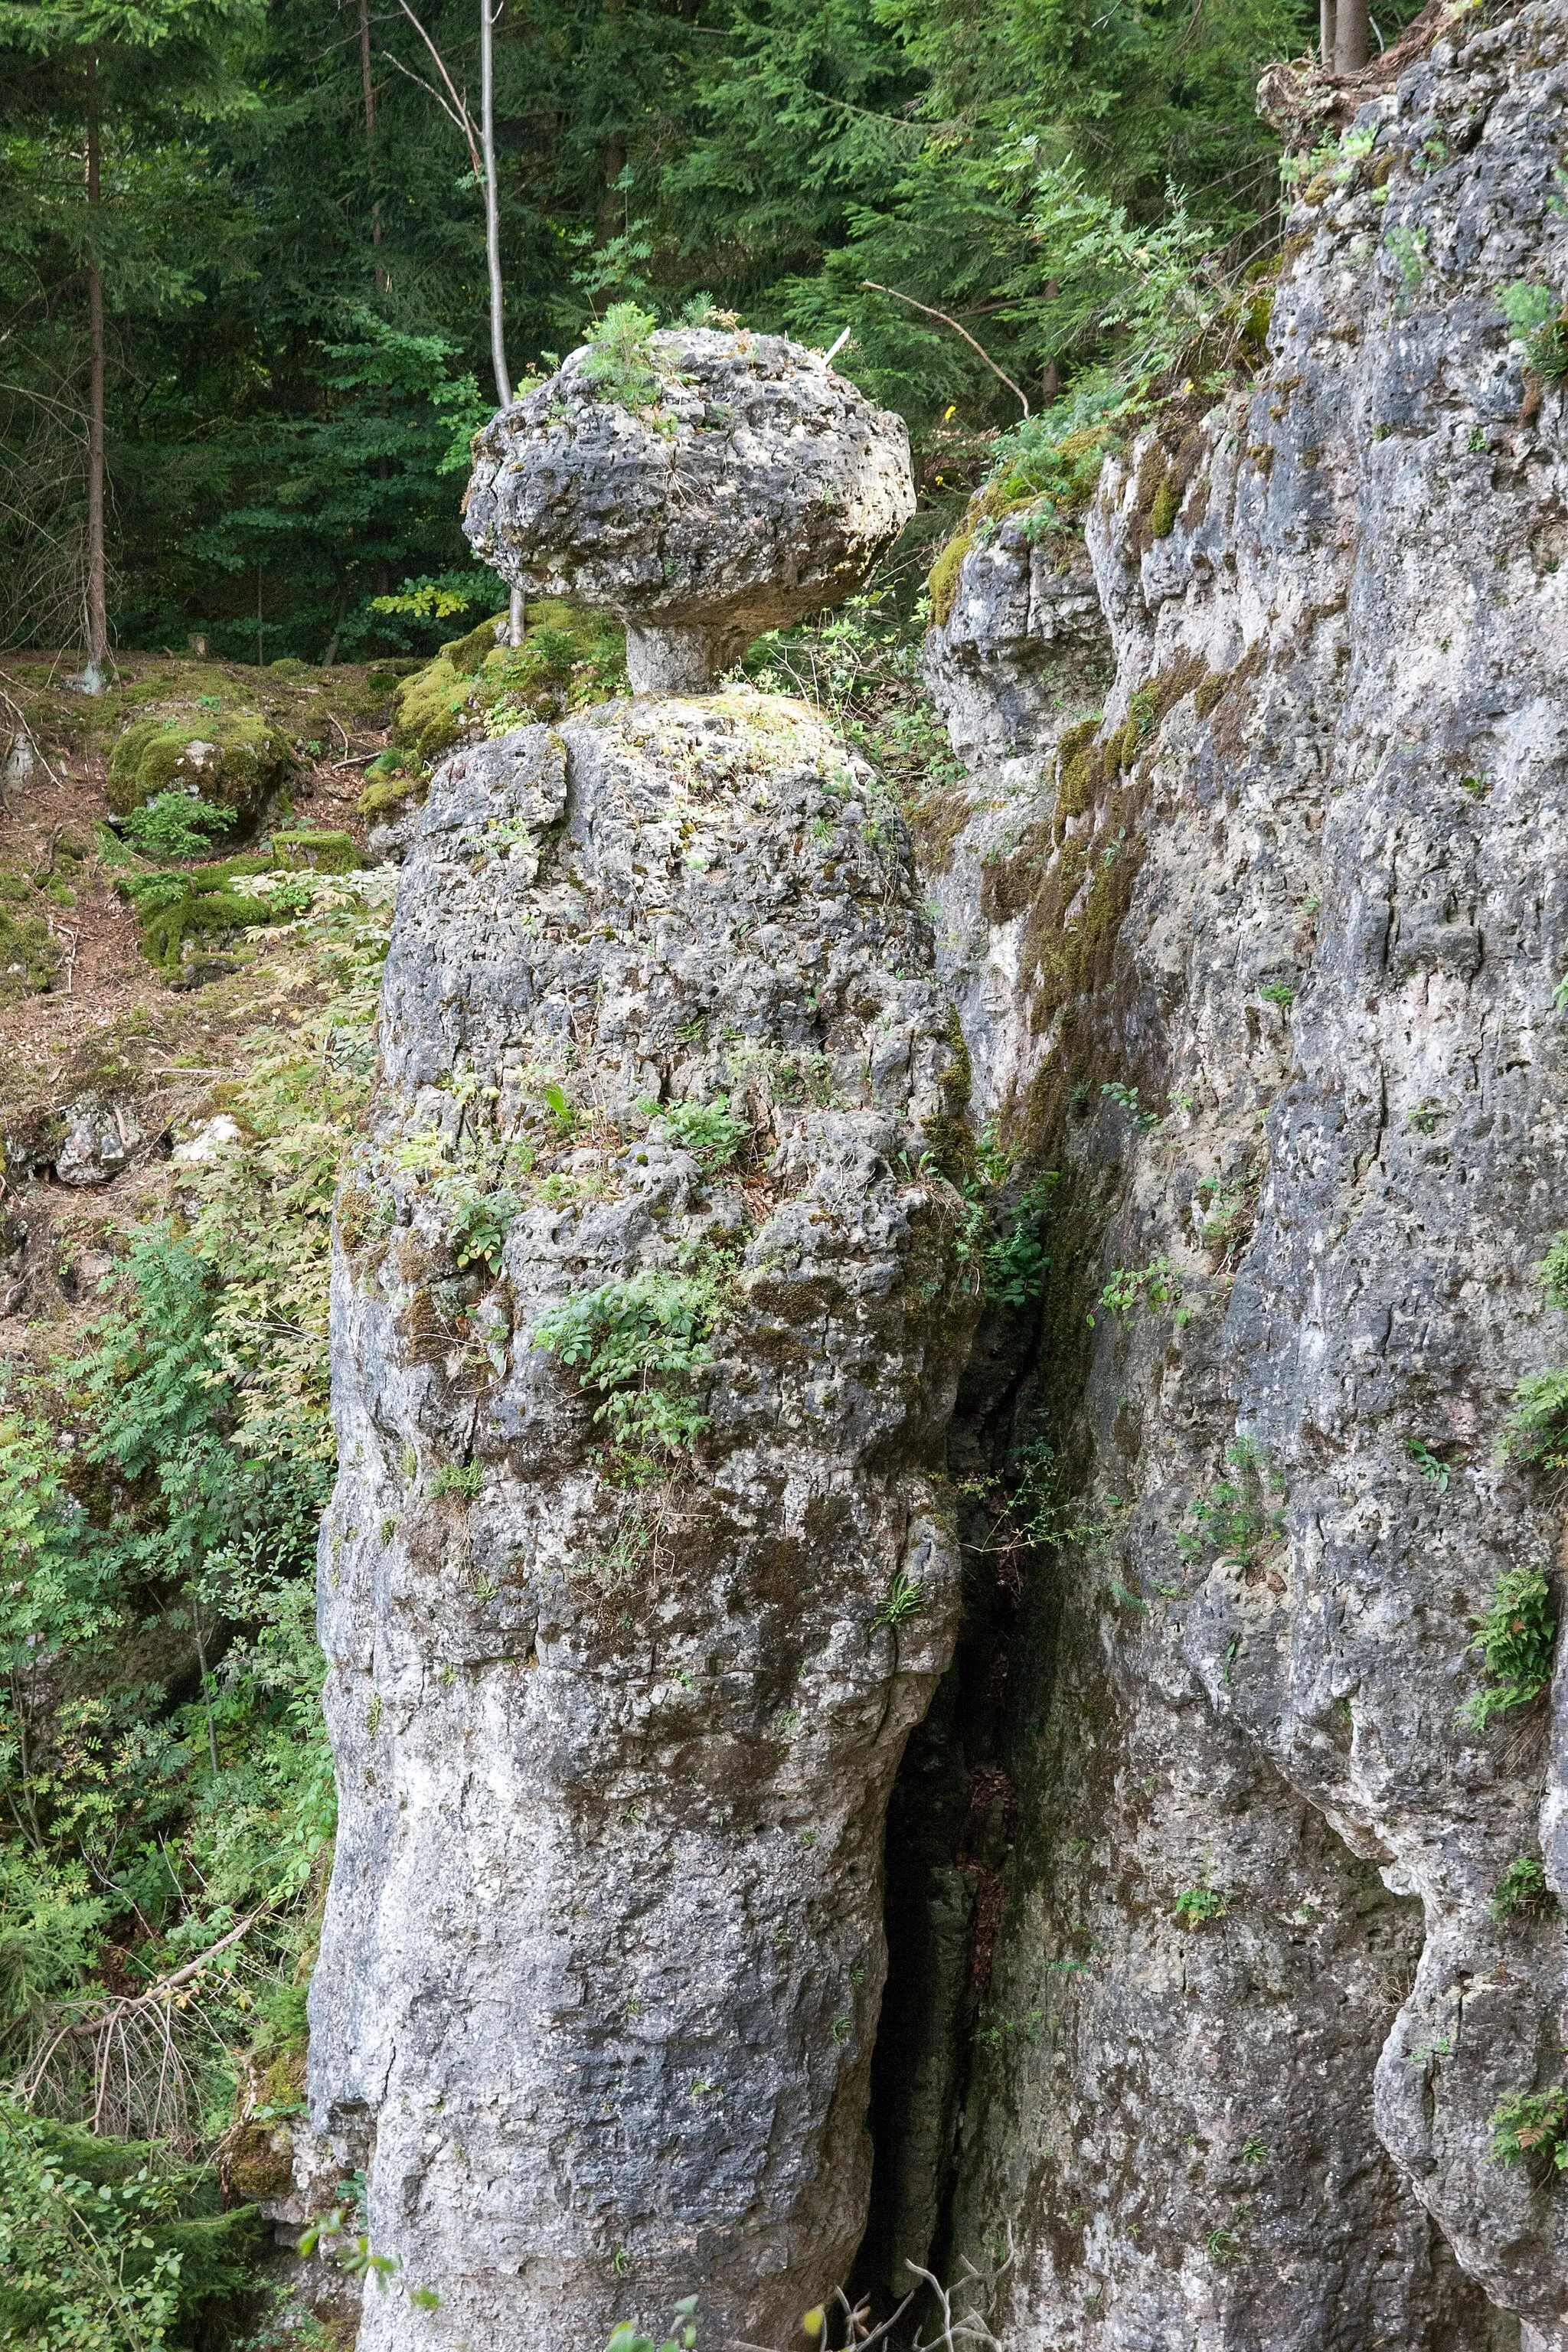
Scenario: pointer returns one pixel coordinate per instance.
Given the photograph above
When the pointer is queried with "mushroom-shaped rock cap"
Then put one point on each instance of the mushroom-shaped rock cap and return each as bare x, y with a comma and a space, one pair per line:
713, 485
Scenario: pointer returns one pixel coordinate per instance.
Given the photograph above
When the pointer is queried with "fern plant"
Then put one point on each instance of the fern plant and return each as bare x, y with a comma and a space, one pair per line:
641, 1343
1516, 1634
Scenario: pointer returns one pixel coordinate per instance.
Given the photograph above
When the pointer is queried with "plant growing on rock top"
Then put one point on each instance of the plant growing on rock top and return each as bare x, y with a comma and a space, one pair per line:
1197, 1906
620, 358
1516, 1634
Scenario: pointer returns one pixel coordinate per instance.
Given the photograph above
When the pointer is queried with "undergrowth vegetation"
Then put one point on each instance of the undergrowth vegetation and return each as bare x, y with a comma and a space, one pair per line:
169, 1788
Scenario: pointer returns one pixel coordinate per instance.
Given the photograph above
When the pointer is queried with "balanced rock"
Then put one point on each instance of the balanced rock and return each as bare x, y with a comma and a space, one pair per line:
716, 485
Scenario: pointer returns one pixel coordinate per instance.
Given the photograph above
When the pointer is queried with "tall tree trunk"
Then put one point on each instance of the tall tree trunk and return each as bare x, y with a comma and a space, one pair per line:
516, 614
93, 676
1353, 38
1326, 34
492, 206
367, 85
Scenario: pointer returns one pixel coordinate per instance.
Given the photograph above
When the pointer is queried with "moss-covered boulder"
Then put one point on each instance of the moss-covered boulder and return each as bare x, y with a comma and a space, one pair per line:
568, 658
232, 755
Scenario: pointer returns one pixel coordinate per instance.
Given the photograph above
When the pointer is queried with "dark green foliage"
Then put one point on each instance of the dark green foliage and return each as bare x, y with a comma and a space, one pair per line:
1016, 1258
173, 824
1522, 1891
106, 2243
1516, 1634
297, 299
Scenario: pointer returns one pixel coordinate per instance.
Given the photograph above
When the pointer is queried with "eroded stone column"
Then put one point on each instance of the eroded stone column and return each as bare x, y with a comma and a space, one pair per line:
616, 1718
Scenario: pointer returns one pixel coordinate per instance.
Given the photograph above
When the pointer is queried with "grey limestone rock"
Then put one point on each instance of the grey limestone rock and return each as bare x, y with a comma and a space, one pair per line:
758, 488
1327, 879
615, 1721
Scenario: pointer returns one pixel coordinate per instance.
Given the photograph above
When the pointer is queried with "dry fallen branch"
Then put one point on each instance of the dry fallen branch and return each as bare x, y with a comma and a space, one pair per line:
122, 2065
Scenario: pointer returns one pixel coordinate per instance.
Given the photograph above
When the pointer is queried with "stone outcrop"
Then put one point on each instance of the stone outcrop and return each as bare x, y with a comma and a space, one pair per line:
1264, 965
648, 1311
721, 484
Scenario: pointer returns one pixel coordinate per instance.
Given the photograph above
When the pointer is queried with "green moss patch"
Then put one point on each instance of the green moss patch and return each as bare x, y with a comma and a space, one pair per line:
306, 850
567, 659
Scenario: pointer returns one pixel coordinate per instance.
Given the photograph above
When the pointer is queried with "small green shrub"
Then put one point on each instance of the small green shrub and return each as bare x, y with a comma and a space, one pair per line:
1432, 1467
176, 825
1237, 1520
107, 2247
1531, 2127
620, 362
1015, 1260
1537, 318
1156, 1285
709, 1131
640, 1343
1516, 1634
1198, 1905
1522, 1891
480, 1223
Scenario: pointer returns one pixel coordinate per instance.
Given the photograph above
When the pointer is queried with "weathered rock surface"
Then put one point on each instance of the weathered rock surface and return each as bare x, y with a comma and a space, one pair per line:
1301, 903
616, 1722
757, 487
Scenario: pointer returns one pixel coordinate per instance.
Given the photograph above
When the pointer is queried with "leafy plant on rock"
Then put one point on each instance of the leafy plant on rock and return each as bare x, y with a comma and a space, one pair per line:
177, 824
1531, 2127
1516, 1634
709, 1131
620, 362
641, 1343
1537, 318
1522, 1891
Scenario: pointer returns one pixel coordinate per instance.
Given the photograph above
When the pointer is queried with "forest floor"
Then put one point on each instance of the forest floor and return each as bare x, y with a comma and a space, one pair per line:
111, 1027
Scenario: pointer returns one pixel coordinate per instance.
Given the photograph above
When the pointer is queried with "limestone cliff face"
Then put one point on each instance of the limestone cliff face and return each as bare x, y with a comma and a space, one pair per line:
1301, 900
626, 1629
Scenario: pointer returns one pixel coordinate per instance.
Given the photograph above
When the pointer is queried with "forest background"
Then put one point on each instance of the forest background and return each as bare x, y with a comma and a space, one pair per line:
289, 232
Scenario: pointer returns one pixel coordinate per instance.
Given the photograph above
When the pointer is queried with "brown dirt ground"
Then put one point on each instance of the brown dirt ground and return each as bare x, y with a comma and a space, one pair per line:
111, 1020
